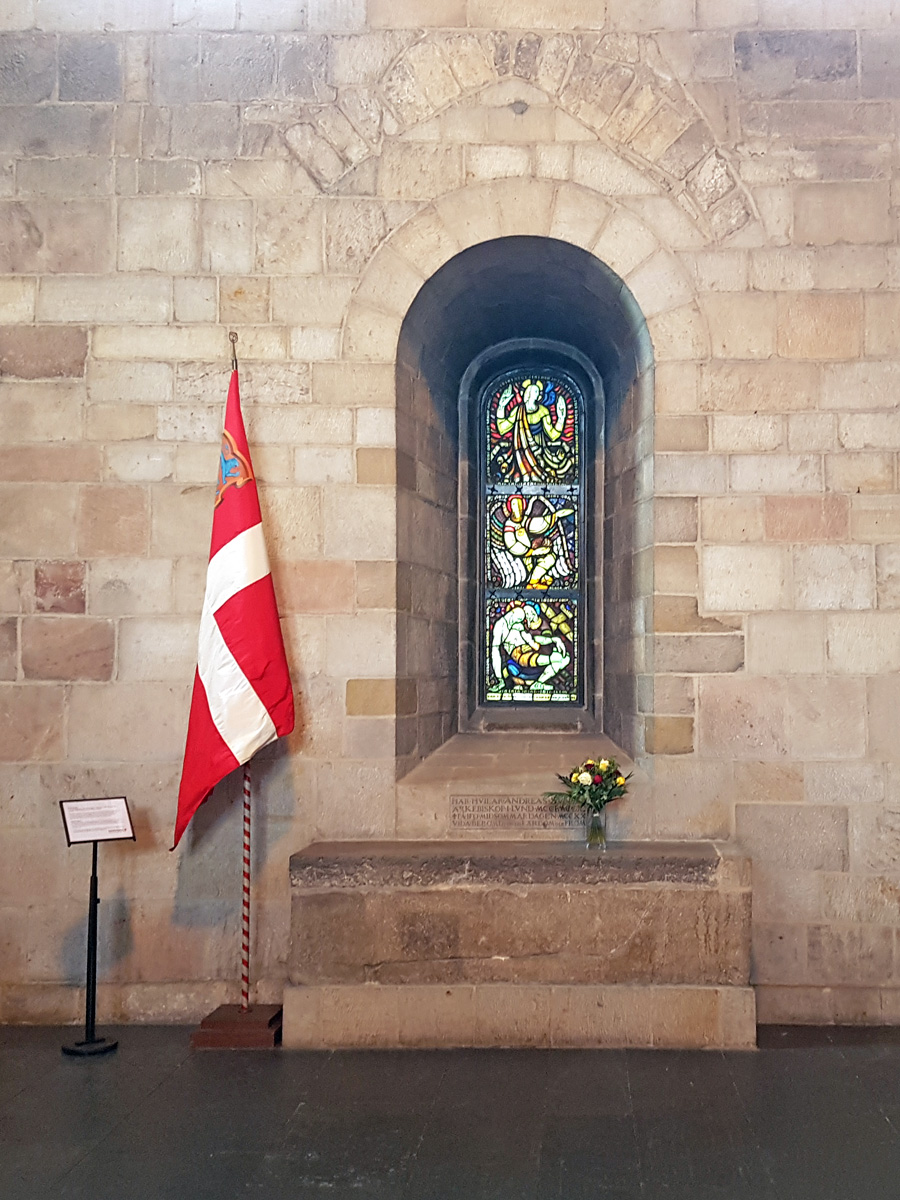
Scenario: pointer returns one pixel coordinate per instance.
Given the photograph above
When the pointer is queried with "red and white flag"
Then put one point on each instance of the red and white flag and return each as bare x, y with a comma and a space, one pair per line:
242, 689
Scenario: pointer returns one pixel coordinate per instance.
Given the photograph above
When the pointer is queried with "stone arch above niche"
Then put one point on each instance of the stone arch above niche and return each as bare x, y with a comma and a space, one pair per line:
609, 230
617, 87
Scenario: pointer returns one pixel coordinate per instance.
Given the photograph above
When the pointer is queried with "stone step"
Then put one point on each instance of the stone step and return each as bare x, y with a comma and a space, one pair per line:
516, 1016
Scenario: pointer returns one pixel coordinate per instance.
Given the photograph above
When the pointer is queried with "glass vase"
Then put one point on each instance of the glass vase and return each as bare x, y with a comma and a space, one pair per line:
595, 828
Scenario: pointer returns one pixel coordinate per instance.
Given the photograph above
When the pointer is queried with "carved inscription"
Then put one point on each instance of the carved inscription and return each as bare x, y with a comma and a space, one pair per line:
509, 812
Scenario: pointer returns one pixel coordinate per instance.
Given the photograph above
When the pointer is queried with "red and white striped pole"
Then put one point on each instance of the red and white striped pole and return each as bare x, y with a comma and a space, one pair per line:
245, 899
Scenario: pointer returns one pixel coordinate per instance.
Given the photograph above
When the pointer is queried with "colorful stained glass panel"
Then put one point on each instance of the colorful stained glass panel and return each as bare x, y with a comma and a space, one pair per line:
531, 513
532, 432
531, 650
531, 541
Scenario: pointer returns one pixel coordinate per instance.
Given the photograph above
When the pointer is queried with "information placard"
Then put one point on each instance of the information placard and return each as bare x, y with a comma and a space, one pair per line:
105, 819
510, 812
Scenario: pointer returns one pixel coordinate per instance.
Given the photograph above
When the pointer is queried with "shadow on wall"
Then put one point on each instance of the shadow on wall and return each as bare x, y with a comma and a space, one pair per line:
521, 287
208, 890
115, 938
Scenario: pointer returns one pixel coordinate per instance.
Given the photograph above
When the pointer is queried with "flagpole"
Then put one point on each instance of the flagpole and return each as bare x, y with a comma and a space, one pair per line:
245, 849
245, 899
213, 750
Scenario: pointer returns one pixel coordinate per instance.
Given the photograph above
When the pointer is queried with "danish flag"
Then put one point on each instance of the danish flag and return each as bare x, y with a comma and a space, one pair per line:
242, 696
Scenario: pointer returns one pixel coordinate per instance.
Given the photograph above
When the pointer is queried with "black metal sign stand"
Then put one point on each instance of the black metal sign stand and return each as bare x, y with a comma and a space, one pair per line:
91, 1045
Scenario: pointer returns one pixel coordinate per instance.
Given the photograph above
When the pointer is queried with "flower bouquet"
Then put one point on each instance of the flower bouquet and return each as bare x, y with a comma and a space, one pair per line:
590, 787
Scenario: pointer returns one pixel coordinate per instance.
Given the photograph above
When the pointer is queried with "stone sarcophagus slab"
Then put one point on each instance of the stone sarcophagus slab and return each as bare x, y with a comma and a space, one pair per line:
512, 943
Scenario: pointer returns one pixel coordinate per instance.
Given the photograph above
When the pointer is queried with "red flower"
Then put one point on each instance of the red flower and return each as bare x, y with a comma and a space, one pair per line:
598, 779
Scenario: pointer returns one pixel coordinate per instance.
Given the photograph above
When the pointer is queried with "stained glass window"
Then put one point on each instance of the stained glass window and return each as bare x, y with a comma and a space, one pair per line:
531, 531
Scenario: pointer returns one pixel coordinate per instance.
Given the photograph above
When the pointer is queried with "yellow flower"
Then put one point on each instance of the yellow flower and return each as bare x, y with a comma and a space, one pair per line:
574, 777
620, 780
603, 764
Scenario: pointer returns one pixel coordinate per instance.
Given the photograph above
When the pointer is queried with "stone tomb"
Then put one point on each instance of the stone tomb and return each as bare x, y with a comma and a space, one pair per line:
496, 943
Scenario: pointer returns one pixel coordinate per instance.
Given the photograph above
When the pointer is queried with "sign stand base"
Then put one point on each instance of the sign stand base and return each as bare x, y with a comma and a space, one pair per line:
91, 1048
229, 1027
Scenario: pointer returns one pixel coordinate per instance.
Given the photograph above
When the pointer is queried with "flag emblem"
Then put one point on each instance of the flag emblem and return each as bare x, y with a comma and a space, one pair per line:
233, 468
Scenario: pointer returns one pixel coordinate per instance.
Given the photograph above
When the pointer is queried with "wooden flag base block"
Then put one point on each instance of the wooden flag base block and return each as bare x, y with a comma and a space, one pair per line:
228, 1028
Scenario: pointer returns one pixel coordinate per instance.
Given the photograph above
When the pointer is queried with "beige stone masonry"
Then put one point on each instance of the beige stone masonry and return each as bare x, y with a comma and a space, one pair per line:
875, 518
671, 735
690, 474
628, 105
51, 352
747, 433
682, 433
825, 213
811, 431
679, 335
820, 327
49, 412
411, 14
298, 174
45, 530
129, 586
67, 648
744, 578
741, 326
138, 722
381, 1016
834, 577
758, 386
17, 300
732, 519
308, 585
861, 472
349, 16
675, 569
96, 300
59, 587
863, 643
31, 723
71, 236
862, 385
807, 519
887, 576
156, 648
786, 642
675, 519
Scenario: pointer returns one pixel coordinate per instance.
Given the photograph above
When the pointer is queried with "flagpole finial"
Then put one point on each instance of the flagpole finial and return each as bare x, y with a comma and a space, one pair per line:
233, 338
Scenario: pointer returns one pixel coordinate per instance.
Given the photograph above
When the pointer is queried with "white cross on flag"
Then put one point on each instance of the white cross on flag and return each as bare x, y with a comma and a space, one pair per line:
242, 689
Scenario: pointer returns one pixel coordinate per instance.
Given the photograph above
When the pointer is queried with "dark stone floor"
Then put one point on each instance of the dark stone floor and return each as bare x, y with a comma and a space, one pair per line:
811, 1116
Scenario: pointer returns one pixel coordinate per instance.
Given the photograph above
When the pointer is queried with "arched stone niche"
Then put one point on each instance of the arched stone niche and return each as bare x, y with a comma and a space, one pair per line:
533, 291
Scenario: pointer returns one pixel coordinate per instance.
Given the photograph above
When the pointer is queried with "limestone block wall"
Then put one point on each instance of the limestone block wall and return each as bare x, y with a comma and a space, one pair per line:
171, 169
627, 575
427, 473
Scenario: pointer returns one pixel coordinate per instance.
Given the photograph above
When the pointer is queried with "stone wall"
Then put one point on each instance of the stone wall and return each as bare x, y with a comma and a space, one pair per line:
629, 693
428, 465
170, 169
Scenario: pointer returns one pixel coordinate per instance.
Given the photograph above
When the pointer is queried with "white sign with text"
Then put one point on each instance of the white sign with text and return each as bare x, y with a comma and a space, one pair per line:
106, 819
